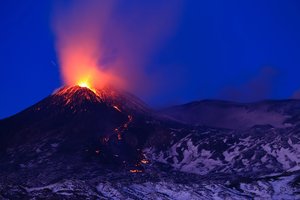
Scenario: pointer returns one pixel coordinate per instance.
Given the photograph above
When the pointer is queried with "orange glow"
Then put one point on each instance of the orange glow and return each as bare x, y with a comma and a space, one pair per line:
98, 44
80, 68
86, 84
135, 171
144, 161
78, 43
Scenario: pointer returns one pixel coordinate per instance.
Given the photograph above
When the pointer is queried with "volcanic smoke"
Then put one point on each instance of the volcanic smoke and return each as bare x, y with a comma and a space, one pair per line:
78, 32
103, 43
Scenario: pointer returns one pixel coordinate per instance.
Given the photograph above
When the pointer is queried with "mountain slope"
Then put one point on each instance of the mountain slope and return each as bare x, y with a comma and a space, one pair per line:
77, 121
231, 115
106, 144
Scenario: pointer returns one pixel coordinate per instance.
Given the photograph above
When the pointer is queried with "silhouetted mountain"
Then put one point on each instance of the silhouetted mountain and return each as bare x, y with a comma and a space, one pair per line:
79, 121
107, 144
226, 114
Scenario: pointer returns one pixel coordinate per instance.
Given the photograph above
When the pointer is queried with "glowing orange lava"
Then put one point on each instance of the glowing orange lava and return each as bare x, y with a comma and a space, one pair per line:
135, 171
85, 84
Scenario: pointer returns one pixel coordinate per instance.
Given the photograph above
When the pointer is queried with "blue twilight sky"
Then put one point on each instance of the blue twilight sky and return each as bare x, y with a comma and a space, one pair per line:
236, 50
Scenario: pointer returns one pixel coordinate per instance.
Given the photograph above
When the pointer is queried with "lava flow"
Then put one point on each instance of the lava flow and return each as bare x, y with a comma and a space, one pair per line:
123, 127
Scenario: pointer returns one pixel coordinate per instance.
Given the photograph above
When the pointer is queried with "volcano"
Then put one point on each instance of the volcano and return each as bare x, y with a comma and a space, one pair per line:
80, 143
80, 121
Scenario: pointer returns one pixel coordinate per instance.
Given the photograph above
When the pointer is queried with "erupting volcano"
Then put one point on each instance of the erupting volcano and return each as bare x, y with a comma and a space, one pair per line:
77, 138
88, 121
91, 139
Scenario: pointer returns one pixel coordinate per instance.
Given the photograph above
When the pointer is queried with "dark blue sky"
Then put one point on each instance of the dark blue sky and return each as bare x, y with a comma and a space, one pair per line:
237, 50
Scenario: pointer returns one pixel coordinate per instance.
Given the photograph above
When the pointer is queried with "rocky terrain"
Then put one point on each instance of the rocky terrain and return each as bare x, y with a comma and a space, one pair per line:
107, 144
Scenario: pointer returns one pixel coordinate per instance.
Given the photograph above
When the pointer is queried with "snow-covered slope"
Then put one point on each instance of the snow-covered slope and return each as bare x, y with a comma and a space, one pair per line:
106, 144
257, 151
172, 186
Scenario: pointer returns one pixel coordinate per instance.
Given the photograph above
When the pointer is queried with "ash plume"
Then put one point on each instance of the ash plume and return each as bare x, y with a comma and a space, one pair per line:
111, 42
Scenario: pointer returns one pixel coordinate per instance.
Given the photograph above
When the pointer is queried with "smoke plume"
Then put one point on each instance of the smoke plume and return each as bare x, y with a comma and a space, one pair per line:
258, 88
111, 42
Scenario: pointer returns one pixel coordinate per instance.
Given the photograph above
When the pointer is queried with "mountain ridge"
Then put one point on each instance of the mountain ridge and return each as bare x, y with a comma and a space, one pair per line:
106, 144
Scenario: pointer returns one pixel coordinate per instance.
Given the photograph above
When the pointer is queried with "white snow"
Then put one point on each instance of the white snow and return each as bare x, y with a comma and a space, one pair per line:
230, 155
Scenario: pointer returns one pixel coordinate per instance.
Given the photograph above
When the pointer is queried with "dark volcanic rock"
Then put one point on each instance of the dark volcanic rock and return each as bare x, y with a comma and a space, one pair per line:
106, 144
231, 115
75, 121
